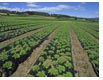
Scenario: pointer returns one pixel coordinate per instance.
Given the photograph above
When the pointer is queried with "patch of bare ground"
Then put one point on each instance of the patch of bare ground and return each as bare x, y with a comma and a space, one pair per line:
91, 35
82, 66
6, 42
25, 67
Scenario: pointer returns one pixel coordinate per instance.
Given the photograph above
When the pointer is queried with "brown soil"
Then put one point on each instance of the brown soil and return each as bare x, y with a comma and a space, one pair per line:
5, 43
82, 66
25, 67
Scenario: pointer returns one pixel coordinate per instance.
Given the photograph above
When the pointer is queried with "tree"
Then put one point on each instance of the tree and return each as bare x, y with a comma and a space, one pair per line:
53, 71
4, 11
25, 14
60, 15
75, 18
41, 74
60, 68
8, 14
7, 65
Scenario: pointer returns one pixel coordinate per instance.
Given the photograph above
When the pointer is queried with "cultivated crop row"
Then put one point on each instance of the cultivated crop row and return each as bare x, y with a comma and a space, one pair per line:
56, 59
90, 46
5, 23
5, 26
90, 28
13, 33
18, 51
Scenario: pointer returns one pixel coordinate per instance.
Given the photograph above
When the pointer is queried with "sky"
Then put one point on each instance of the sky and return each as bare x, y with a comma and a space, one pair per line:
79, 9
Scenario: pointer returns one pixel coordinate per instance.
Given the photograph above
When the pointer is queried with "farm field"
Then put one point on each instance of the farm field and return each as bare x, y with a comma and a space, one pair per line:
56, 40
49, 48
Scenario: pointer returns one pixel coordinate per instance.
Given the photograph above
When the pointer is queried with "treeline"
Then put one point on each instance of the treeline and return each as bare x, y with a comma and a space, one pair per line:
58, 16
24, 13
33, 13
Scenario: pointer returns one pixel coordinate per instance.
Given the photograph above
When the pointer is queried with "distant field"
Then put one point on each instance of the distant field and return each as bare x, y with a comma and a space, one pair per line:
40, 46
31, 17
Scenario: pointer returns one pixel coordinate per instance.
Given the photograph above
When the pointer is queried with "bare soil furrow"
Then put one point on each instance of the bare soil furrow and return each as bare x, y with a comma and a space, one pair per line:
82, 66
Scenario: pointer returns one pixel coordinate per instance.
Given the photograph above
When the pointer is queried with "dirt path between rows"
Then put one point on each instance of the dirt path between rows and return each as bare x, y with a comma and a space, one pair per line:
25, 67
82, 66
5, 43
90, 34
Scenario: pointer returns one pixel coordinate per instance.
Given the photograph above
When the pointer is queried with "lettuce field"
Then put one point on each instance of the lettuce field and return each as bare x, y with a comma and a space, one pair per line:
48, 48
